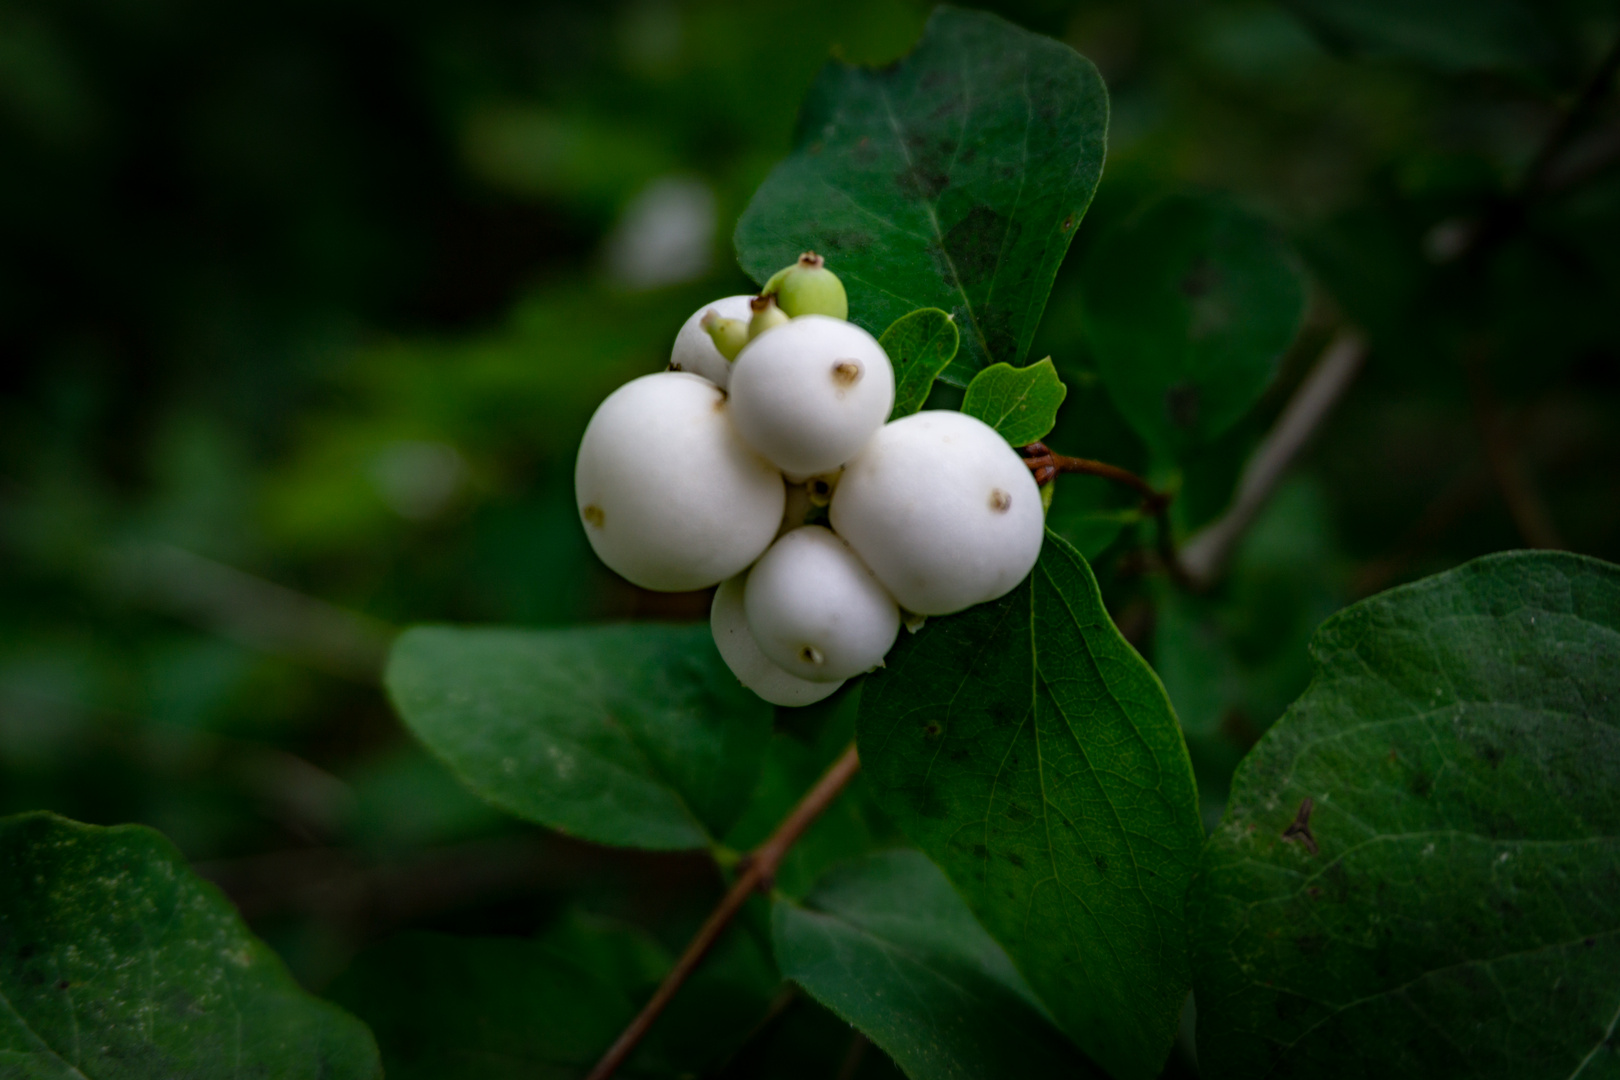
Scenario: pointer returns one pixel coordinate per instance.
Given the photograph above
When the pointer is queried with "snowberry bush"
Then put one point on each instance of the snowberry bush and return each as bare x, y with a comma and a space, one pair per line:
943, 794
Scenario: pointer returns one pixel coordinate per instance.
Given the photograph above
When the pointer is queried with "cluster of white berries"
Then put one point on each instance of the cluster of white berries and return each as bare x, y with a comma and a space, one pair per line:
774, 407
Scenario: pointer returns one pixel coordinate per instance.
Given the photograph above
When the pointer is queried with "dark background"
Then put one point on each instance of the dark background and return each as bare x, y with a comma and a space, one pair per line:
303, 307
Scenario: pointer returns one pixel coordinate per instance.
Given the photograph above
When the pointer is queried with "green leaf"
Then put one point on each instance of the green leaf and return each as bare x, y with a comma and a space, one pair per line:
1026, 747
1456, 909
632, 735
1450, 35
954, 179
1021, 403
1189, 306
117, 961
886, 944
920, 346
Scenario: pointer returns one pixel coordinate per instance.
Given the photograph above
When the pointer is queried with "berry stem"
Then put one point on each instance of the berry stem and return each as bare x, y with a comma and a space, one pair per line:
757, 874
1046, 465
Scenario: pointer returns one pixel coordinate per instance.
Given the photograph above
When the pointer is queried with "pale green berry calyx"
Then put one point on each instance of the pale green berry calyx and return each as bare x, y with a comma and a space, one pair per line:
729, 335
768, 315
807, 287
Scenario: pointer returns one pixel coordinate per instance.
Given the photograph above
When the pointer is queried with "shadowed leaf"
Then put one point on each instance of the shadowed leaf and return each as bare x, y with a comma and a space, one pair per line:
888, 945
117, 961
954, 179
1418, 874
1028, 749
633, 735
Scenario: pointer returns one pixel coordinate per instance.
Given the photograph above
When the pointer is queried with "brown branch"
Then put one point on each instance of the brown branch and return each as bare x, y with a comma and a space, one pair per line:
1205, 556
757, 873
1046, 465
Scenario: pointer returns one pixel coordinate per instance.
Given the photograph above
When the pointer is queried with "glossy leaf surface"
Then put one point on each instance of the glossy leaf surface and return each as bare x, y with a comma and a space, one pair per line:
632, 735
954, 179
1453, 907
117, 961
1027, 749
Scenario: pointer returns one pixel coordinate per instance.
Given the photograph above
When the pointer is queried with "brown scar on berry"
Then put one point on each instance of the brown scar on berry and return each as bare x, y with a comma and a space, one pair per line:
847, 372
1301, 826
1000, 501
593, 515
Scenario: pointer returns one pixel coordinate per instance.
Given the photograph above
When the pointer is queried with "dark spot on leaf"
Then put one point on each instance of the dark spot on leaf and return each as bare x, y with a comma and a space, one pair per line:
1310, 944
974, 244
980, 851
1181, 405
931, 729
1422, 784
1102, 864
27, 952
1492, 755
1068, 223
1015, 860
62, 984
1313, 892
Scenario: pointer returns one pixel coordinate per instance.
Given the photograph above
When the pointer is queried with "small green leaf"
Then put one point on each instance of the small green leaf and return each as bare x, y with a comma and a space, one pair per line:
1454, 908
117, 961
632, 735
1189, 306
920, 346
1448, 35
954, 179
886, 944
1021, 403
1028, 749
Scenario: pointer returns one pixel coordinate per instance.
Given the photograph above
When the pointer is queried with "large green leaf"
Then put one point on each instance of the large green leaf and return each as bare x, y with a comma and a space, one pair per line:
887, 944
1028, 749
117, 961
1449, 35
954, 179
1454, 909
633, 735
1188, 308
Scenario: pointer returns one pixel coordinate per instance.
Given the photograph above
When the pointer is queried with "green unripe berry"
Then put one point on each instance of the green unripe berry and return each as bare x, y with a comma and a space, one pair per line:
729, 335
767, 316
809, 288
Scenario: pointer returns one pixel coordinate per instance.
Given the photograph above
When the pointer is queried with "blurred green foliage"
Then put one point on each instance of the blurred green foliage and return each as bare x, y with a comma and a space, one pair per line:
304, 306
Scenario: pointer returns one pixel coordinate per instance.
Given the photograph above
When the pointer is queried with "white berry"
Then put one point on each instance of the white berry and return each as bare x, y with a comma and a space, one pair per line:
808, 394
729, 624
671, 498
816, 610
694, 349
945, 513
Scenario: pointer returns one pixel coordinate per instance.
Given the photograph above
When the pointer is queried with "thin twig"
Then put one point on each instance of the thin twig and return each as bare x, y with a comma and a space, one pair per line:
1204, 557
1508, 212
1155, 503
757, 873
